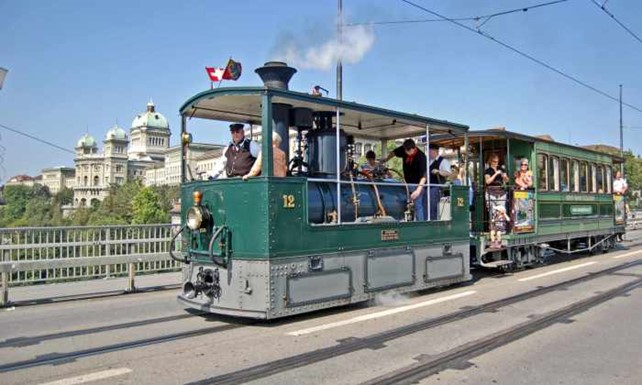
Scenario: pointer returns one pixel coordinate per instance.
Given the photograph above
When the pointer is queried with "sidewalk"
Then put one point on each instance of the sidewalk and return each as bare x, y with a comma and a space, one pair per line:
56, 292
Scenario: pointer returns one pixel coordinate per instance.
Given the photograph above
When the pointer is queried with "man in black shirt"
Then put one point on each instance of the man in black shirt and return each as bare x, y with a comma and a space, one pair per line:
414, 172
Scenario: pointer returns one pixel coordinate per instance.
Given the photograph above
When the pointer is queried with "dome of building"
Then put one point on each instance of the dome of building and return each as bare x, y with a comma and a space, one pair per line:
87, 141
150, 119
116, 133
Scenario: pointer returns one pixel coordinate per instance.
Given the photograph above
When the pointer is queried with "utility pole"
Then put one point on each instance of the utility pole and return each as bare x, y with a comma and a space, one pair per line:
339, 65
3, 73
621, 136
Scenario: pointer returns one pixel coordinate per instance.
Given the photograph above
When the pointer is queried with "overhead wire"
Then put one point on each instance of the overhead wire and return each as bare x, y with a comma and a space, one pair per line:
486, 18
521, 53
36, 139
616, 20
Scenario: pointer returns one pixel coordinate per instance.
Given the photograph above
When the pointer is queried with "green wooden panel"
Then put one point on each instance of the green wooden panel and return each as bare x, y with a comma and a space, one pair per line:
266, 218
549, 210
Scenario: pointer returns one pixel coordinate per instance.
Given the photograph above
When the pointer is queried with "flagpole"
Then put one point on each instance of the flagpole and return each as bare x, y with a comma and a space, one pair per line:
224, 71
339, 64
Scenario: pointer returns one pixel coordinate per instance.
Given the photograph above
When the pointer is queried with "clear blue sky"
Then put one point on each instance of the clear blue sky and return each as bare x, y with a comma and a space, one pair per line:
78, 66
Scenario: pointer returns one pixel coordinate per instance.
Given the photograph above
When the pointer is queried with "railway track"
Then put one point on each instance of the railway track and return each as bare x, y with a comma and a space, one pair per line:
343, 347
459, 355
378, 340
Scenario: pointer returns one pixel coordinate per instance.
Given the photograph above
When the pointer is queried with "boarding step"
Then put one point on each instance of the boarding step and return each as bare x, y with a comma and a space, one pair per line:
498, 264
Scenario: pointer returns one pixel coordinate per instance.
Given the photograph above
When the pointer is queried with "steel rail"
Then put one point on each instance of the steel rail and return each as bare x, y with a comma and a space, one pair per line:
55, 358
449, 359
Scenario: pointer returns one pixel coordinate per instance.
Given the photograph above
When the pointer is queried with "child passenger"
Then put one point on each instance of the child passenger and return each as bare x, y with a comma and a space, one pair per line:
498, 226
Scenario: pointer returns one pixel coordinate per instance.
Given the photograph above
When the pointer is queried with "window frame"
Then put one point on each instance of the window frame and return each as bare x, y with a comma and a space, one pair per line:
599, 179
575, 173
542, 160
566, 170
554, 173
584, 174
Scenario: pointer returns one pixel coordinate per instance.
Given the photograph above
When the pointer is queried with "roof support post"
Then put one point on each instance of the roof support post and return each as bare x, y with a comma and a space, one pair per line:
266, 145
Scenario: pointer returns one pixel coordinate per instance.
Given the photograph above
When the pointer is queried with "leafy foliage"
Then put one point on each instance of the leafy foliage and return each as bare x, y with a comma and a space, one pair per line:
147, 208
130, 203
25, 206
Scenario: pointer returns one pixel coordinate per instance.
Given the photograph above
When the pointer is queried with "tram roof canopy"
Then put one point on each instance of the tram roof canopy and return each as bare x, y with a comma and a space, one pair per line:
243, 104
477, 136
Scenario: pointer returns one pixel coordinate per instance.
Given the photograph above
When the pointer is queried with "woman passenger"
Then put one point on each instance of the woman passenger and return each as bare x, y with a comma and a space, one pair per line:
523, 176
619, 184
494, 178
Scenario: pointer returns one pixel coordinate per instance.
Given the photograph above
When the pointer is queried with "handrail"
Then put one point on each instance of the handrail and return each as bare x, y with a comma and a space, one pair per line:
219, 260
171, 246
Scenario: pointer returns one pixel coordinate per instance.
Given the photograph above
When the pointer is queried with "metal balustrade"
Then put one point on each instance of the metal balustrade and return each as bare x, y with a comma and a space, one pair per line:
34, 255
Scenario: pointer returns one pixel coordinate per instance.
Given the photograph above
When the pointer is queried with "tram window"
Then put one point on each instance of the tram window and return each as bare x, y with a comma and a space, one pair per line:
554, 174
592, 175
583, 177
564, 175
599, 178
542, 171
609, 180
575, 176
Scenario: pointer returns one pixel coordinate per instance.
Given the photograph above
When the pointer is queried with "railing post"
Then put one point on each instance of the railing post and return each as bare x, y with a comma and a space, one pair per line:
107, 251
4, 296
131, 287
4, 278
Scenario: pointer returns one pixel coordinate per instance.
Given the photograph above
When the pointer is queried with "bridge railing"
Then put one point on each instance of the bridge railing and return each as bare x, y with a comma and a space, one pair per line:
34, 255
634, 220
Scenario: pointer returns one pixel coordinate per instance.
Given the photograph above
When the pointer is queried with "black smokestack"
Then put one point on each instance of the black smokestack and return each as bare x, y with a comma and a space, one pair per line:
275, 74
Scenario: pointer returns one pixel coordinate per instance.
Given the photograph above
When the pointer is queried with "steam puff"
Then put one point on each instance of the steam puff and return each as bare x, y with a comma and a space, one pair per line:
356, 42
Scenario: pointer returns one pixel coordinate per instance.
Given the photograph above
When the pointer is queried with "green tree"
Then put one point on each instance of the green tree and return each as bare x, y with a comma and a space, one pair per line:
168, 196
26, 206
64, 197
147, 208
39, 212
80, 217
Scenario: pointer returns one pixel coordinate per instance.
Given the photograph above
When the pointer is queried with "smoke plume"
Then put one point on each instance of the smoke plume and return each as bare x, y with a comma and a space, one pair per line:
351, 48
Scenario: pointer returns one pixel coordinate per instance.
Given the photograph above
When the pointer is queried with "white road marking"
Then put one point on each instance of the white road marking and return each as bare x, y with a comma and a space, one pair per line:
381, 314
557, 271
91, 377
627, 254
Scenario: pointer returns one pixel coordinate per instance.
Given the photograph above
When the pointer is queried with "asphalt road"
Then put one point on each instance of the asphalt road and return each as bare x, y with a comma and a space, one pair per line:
571, 322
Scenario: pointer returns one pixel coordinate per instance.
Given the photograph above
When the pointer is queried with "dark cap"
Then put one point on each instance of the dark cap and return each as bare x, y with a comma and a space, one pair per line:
433, 146
236, 126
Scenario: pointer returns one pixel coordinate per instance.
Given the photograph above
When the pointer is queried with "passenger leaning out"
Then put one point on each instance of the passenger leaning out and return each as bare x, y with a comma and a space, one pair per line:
619, 184
523, 176
495, 177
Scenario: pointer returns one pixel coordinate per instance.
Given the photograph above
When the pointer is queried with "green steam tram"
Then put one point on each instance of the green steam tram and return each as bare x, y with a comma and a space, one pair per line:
320, 237
323, 236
